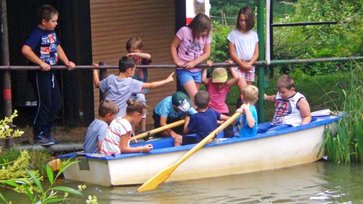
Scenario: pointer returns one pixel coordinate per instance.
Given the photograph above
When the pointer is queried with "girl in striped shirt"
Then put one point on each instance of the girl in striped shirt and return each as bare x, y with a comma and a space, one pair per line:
119, 132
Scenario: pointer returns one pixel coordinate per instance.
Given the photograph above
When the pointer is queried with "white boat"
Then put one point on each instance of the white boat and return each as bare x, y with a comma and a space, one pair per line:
221, 157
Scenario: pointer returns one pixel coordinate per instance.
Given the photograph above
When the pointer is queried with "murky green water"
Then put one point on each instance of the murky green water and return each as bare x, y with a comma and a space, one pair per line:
318, 182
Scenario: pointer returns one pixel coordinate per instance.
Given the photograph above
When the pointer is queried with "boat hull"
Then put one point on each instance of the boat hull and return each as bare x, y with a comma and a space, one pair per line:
267, 151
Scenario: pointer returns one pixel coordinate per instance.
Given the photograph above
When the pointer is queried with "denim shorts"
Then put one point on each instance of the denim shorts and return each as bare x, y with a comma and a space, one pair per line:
184, 76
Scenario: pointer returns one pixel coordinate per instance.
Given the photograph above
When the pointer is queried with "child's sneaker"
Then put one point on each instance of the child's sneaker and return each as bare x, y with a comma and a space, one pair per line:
44, 141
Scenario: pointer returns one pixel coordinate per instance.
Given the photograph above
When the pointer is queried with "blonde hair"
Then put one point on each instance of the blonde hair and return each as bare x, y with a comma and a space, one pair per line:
250, 94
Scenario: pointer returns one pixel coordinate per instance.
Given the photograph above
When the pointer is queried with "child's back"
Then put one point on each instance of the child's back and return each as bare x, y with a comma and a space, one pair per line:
206, 120
97, 129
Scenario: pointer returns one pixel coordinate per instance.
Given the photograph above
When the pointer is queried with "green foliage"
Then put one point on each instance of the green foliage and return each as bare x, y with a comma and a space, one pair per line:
32, 186
340, 40
225, 11
346, 145
220, 51
5, 129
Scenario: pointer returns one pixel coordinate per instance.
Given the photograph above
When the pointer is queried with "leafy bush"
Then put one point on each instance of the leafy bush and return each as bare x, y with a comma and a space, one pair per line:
220, 51
340, 40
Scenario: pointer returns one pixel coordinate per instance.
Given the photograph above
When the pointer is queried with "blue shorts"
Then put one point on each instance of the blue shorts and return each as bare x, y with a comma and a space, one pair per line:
184, 76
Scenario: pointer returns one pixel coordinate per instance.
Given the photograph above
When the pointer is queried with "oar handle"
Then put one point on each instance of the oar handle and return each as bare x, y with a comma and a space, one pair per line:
159, 129
162, 175
208, 138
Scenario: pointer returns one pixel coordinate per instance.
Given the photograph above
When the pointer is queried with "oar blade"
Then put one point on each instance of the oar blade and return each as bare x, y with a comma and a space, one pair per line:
157, 179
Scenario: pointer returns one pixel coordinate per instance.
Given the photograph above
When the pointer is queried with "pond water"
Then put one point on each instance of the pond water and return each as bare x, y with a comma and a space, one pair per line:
319, 182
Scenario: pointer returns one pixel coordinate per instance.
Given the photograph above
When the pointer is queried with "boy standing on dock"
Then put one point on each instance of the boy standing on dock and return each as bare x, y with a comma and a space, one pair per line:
43, 48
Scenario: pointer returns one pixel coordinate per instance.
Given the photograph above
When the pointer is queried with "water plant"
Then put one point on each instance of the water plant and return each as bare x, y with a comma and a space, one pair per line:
16, 173
32, 186
346, 144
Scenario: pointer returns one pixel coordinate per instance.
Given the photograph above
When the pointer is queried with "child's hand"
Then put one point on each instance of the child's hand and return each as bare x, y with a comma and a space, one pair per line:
44, 66
147, 148
246, 67
229, 61
179, 64
178, 140
240, 110
209, 63
220, 122
170, 77
71, 65
189, 65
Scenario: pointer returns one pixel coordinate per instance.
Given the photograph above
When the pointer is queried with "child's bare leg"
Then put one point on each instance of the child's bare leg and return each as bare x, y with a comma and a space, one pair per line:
191, 88
143, 121
241, 83
143, 125
233, 72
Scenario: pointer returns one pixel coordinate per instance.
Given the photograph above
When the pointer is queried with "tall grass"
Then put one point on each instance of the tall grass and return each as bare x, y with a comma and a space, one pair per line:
346, 145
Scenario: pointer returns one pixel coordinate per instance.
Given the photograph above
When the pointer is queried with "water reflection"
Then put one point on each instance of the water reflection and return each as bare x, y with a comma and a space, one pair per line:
318, 182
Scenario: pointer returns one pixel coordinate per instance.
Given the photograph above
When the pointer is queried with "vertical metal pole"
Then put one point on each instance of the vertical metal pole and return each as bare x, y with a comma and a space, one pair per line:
5, 61
102, 75
261, 69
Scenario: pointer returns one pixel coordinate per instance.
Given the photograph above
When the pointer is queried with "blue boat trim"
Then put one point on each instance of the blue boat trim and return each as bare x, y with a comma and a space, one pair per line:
159, 145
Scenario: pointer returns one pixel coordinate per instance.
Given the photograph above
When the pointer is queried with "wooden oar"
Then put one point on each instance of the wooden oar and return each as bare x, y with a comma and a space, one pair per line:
159, 129
160, 177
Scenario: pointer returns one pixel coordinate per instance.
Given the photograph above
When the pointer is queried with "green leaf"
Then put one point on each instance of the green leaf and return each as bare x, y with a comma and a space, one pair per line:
67, 190
36, 181
65, 165
50, 174
3, 198
53, 200
11, 183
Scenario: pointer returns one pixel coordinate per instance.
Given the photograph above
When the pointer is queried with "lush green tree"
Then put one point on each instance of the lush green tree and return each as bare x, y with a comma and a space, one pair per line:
340, 40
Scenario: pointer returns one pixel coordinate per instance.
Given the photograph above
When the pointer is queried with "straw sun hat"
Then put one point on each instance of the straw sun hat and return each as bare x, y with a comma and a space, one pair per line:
219, 75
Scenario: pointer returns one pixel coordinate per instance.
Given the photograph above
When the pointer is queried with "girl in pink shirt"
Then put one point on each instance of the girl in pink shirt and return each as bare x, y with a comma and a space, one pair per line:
218, 87
190, 47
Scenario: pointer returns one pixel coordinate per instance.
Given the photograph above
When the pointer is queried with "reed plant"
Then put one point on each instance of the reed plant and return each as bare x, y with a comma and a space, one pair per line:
346, 144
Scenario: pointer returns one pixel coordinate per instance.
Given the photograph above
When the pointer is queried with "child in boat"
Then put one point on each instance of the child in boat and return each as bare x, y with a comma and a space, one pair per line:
97, 130
203, 122
291, 107
134, 47
218, 87
172, 109
119, 132
119, 88
247, 122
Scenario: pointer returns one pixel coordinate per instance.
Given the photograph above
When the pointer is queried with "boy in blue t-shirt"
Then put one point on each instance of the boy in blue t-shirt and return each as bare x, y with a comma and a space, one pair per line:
204, 121
247, 122
96, 131
43, 48
169, 110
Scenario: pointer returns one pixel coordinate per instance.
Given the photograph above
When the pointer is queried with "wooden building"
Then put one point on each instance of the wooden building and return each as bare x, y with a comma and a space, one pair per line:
92, 31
